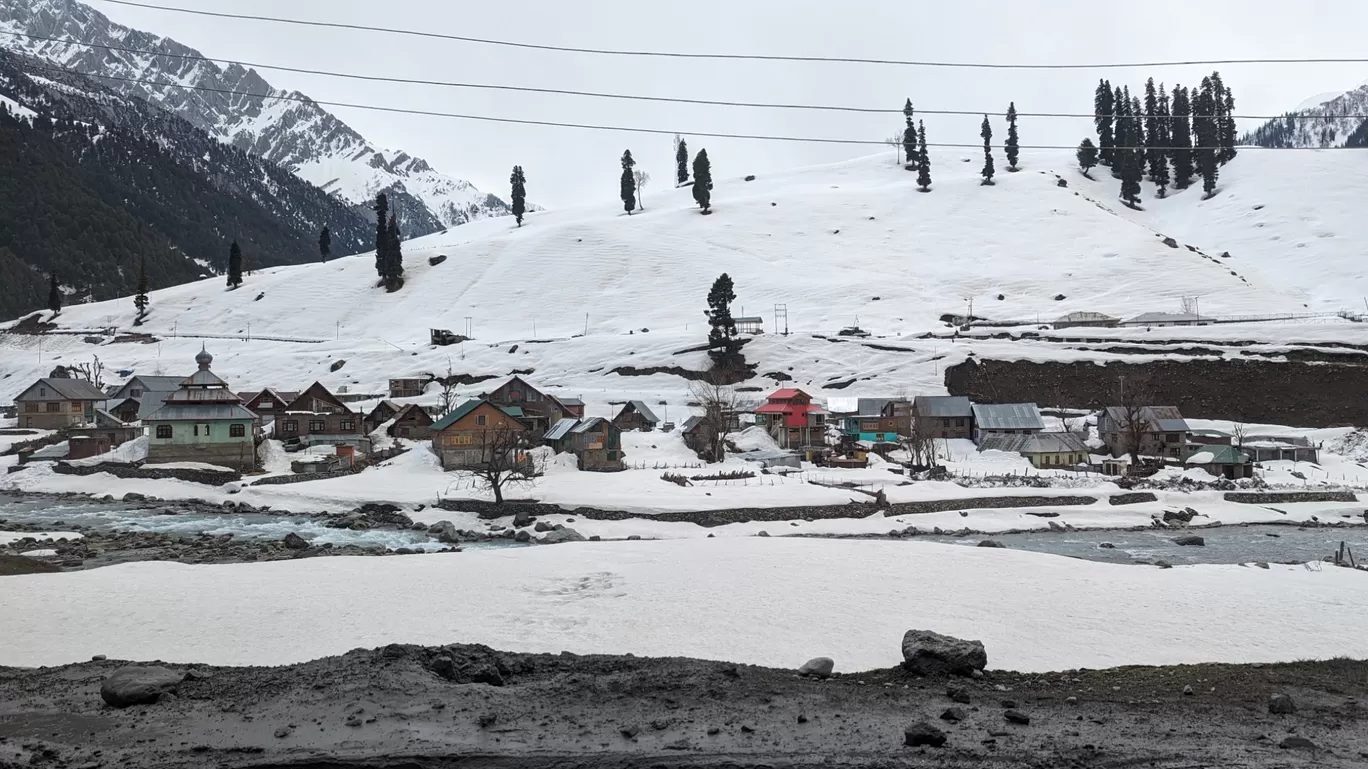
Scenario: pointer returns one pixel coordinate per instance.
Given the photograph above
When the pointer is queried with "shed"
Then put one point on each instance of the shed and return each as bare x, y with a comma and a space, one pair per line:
636, 415
1169, 319
1086, 319
750, 324
1222, 462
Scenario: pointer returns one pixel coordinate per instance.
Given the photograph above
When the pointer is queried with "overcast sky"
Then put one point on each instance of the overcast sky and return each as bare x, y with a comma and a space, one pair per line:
567, 166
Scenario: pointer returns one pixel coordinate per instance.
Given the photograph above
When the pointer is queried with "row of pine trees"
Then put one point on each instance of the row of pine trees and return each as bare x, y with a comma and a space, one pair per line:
1170, 140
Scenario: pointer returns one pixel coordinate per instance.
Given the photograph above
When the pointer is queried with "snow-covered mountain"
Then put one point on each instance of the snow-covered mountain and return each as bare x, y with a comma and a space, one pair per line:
298, 135
1328, 120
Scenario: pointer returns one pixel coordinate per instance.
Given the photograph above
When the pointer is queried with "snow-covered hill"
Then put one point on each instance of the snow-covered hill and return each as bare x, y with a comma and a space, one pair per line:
1336, 120
574, 295
298, 135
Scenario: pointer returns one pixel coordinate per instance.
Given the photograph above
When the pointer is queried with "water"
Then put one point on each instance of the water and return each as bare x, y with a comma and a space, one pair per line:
115, 516
1227, 544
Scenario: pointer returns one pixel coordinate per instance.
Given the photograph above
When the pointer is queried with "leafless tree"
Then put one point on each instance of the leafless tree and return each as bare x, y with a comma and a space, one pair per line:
505, 461
92, 372
1239, 430
448, 383
923, 449
1134, 395
896, 142
641, 178
720, 404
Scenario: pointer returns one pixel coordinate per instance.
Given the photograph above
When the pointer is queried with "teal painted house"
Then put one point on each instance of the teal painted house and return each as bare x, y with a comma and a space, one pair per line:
203, 421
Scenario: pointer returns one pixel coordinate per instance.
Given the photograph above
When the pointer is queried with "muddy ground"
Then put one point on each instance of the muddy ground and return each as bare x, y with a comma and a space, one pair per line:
468, 706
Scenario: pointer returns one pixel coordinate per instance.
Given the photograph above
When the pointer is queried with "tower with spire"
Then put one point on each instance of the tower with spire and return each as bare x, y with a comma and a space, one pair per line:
203, 421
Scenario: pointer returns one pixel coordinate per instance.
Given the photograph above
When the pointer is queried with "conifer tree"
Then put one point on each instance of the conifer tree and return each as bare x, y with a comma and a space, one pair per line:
723, 346
1104, 108
909, 142
140, 300
1012, 146
702, 184
1161, 141
923, 161
234, 265
519, 183
1206, 133
325, 244
1152, 135
1087, 156
54, 295
627, 184
681, 163
1228, 131
1141, 136
1120, 136
1180, 138
394, 256
381, 235
986, 131
1129, 165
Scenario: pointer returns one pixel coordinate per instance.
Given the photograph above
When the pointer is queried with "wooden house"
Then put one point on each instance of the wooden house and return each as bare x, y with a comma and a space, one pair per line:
595, 442
636, 415
203, 421
538, 410
794, 421
267, 403
1005, 419
413, 422
464, 437
54, 403
411, 387
1162, 430
1043, 450
141, 395
943, 416
383, 412
874, 421
318, 416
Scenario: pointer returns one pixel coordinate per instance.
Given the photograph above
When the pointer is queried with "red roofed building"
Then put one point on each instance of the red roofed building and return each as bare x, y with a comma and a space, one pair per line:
793, 420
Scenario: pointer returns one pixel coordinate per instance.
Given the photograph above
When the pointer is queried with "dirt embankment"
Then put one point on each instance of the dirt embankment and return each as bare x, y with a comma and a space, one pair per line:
1286, 393
470, 706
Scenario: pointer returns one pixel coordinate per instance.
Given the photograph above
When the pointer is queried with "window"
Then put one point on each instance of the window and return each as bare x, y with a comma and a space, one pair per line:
237, 431
515, 395
464, 439
1171, 438
291, 426
163, 431
77, 407
348, 425
317, 425
959, 422
135, 393
42, 392
30, 407
945, 421
480, 420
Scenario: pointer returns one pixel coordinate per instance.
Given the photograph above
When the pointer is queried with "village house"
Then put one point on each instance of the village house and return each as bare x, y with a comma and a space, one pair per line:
1005, 419
141, 395
407, 388
1222, 462
872, 422
942, 416
203, 421
318, 416
1274, 448
266, 404
636, 415
1086, 320
595, 442
106, 433
1163, 431
412, 422
1043, 450
465, 437
1161, 319
383, 412
696, 435
538, 410
794, 421
53, 403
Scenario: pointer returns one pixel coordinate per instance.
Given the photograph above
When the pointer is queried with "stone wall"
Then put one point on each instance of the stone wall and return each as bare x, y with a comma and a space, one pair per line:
1288, 497
276, 480
1133, 498
1260, 391
207, 477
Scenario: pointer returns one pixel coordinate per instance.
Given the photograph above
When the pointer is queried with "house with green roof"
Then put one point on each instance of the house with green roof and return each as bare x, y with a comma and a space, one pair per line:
203, 421
464, 437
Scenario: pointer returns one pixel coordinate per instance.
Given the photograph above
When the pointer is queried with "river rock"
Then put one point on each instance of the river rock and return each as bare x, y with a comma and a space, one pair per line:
296, 542
929, 653
954, 714
561, 535
445, 531
1183, 516
1017, 717
139, 685
991, 543
542, 526
1290, 743
522, 536
922, 733
1281, 705
818, 667
522, 518
1190, 540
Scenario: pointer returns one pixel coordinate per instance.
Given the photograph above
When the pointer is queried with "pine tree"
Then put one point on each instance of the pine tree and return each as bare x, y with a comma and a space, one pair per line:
519, 183
54, 295
1104, 107
1152, 146
1180, 138
1228, 130
986, 131
394, 256
325, 244
681, 163
909, 142
1141, 137
1206, 132
723, 346
627, 184
1120, 136
1129, 165
702, 185
1012, 147
1160, 142
923, 161
234, 266
140, 300
1087, 156
381, 234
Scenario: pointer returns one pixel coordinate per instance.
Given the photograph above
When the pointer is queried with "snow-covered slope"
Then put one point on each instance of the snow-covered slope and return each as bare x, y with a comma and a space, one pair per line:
298, 135
1336, 120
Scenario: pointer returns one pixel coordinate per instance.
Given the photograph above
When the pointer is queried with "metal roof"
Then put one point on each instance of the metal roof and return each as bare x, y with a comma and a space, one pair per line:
1085, 317
568, 401
871, 407
1007, 416
459, 413
560, 429
749, 319
691, 423
942, 406
1158, 419
588, 424
198, 412
643, 410
1035, 443
1218, 455
1167, 317
149, 384
71, 389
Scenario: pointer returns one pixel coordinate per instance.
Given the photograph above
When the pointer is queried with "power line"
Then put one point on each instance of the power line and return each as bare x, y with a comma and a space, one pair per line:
300, 98
728, 56
604, 95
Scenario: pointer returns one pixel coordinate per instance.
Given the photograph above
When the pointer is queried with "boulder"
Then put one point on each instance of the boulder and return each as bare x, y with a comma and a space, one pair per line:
929, 653
1290, 743
1281, 705
561, 535
954, 714
522, 518
958, 694
991, 543
817, 667
522, 536
296, 542
922, 733
1190, 540
445, 531
139, 685
1017, 717
542, 526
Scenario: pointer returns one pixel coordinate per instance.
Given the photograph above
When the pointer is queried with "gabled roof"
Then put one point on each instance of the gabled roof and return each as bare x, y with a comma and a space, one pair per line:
691, 424
316, 390
1167, 317
1218, 455
196, 412
70, 389
567, 400
942, 406
641, 408
463, 410
786, 393
1085, 317
1007, 416
149, 384
872, 407
390, 406
591, 424
560, 429
1158, 419
413, 410
1036, 443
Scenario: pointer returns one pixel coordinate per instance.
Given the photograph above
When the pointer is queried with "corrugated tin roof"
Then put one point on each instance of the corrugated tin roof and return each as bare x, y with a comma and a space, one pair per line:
644, 410
151, 400
586, 425
1036, 443
871, 407
458, 413
1085, 317
72, 389
1218, 455
1167, 317
942, 406
1158, 419
196, 412
691, 423
567, 401
560, 429
1007, 416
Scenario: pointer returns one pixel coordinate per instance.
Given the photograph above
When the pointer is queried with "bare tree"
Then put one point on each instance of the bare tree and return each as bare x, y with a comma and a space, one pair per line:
1239, 430
92, 372
720, 406
923, 449
896, 142
641, 178
1133, 422
448, 383
505, 461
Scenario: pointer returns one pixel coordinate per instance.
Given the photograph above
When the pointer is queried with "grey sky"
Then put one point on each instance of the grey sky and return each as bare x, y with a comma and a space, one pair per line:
570, 166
